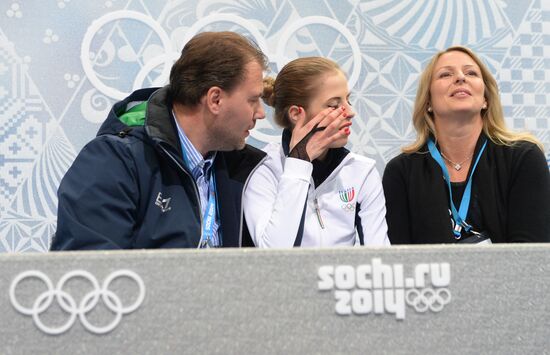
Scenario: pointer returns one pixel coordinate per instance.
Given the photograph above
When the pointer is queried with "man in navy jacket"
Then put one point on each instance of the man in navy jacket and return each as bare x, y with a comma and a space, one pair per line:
168, 166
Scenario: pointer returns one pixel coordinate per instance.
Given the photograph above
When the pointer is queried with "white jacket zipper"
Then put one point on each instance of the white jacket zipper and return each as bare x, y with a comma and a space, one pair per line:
242, 199
318, 212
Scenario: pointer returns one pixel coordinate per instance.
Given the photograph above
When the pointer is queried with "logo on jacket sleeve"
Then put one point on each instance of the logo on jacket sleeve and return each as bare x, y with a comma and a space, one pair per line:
347, 197
163, 203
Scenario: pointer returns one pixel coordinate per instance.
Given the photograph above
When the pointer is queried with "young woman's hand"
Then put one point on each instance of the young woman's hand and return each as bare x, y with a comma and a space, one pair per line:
315, 136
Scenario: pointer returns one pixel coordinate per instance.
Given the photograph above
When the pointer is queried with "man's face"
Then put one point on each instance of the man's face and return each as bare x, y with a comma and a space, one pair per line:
240, 110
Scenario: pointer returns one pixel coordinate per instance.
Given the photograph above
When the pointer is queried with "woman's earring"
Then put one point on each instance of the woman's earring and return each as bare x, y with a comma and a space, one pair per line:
484, 106
430, 109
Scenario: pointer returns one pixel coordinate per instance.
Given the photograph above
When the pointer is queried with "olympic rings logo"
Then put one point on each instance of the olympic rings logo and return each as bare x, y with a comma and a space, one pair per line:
427, 298
168, 57
70, 306
91, 59
348, 207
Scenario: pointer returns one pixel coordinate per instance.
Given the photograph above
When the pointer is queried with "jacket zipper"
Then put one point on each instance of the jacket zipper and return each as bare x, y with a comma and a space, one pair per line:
242, 199
315, 201
194, 187
318, 212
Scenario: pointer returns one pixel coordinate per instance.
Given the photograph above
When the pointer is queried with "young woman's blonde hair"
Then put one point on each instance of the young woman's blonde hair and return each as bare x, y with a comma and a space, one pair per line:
494, 126
296, 84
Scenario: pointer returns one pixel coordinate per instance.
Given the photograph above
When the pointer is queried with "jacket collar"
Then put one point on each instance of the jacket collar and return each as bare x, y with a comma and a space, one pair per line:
159, 125
113, 125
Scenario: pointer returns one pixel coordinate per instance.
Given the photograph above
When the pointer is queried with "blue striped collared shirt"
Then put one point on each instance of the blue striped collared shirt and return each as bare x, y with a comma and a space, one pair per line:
203, 173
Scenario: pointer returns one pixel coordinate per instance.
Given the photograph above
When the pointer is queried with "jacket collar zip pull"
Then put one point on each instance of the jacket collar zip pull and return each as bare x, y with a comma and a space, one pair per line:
318, 212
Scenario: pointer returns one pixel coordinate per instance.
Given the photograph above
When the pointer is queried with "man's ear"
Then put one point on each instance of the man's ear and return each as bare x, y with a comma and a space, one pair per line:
296, 113
213, 99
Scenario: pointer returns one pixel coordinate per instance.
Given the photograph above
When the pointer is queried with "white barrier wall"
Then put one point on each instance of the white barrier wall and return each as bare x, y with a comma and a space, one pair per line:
64, 63
399, 300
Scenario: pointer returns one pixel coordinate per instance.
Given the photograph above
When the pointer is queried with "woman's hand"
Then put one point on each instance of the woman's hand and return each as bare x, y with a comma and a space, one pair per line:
335, 124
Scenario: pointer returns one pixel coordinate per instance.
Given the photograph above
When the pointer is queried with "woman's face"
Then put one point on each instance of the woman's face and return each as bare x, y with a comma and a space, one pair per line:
332, 91
457, 85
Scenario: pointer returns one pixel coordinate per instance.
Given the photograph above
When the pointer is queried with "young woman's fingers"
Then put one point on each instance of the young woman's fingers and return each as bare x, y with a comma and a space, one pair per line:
320, 118
334, 122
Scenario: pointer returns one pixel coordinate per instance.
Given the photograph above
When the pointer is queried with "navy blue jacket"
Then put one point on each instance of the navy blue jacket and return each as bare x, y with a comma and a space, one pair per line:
129, 188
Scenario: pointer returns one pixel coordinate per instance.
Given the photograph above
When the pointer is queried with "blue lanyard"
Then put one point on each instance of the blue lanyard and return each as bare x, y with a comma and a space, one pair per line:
207, 236
460, 216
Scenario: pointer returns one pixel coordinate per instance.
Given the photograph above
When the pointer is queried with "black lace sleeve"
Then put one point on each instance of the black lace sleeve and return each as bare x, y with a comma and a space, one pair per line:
299, 151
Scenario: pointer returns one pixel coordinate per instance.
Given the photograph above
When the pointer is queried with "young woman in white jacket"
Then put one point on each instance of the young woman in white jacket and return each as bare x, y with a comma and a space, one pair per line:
310, 191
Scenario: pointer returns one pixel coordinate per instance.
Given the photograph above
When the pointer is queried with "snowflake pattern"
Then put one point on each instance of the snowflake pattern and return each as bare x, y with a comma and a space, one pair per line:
49, 36
14, 11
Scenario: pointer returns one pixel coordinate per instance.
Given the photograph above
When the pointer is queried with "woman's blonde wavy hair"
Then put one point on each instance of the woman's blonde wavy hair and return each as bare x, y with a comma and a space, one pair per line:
494, 126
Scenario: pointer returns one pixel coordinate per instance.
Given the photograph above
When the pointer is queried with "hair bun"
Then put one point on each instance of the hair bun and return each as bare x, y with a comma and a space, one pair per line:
268, 94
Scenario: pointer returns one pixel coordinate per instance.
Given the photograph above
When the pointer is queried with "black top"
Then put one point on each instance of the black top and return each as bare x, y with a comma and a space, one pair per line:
510, 196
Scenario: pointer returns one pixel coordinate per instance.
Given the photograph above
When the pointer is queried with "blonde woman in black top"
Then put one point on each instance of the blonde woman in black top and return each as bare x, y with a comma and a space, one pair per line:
466, 177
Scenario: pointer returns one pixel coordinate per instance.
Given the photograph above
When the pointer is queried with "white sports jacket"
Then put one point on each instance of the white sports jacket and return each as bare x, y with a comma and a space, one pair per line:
281, 187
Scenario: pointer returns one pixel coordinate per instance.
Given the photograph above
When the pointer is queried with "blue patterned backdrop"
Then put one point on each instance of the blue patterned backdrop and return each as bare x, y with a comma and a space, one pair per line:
63, 64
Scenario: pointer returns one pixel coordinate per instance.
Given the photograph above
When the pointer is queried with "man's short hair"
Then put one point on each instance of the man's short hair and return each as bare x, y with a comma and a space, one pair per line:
211, 59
